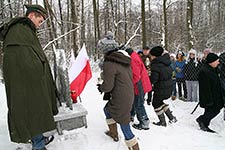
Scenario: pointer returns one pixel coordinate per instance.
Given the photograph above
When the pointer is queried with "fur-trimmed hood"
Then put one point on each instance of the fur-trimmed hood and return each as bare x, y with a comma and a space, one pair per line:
120, 57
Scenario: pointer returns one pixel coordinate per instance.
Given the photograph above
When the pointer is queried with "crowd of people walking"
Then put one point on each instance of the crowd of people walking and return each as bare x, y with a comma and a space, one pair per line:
157, 75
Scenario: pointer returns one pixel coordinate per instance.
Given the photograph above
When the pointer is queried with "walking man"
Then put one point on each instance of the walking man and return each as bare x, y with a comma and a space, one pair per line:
210, 92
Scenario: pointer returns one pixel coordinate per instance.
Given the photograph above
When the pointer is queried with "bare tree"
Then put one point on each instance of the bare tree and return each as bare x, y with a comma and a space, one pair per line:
82, 23
125, 20
189, 23
165, 25
143, 23
96, 22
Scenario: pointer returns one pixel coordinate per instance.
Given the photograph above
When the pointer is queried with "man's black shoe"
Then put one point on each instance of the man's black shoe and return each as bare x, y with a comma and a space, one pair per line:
203, 127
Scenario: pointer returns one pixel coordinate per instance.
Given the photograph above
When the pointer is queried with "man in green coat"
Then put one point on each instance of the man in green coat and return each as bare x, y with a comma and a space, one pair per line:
30, 89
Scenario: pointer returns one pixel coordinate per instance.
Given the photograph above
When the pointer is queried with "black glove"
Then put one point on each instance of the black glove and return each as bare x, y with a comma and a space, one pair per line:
107, 96
98, 87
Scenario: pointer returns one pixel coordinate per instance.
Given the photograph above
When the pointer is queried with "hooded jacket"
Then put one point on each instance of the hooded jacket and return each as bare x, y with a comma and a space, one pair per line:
140, 75
161, 77
30, 88
118, 81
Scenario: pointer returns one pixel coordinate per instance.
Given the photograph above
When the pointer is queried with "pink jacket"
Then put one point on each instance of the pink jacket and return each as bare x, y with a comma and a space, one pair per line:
139, 73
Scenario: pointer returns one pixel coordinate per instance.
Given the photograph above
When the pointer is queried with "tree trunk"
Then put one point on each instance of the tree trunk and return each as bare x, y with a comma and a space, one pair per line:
165, 25
143, 23
189, 23
149, 35
74, 22
96, 25
82, 24
125, 21
61, 24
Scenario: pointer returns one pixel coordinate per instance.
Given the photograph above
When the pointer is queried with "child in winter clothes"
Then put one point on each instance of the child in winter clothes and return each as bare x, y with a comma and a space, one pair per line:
191, 71
179, 67
162, 84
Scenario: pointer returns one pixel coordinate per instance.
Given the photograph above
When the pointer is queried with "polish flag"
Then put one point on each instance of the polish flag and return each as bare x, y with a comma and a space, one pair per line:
79, 73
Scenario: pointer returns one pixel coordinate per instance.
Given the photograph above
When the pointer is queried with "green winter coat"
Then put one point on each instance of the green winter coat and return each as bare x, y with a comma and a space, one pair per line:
30, 89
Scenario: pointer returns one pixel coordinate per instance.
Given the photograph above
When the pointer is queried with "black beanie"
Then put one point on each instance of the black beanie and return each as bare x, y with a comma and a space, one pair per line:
129, 50
156, 51
211, 57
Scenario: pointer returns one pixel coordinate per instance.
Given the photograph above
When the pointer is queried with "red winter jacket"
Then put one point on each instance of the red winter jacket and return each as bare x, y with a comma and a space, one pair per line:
139, 73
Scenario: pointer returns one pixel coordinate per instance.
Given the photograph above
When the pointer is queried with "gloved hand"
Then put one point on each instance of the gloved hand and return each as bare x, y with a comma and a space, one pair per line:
98, 87
107, 96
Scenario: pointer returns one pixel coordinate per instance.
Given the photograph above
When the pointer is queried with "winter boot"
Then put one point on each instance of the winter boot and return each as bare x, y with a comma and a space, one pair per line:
142, 125
172, 119
203, 127
162, 120
112, 129
132, 144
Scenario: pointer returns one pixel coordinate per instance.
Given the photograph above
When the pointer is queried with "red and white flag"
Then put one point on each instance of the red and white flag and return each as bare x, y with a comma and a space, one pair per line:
79, 73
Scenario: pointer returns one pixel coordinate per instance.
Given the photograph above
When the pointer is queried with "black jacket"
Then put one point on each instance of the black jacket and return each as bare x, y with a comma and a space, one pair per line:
161, 77
210, 91
191, 70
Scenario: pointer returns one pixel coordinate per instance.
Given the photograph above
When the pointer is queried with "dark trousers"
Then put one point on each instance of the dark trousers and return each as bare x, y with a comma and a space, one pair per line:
208, 115
156, 103
180, 82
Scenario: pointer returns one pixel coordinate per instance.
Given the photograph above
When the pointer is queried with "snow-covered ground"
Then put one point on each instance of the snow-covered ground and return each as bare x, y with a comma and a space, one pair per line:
183, 135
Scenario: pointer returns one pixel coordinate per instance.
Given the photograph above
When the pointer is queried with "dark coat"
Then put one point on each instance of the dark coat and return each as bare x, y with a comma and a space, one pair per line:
222, 73
191, 70
210, 91
30, 89
161, 77
118, 80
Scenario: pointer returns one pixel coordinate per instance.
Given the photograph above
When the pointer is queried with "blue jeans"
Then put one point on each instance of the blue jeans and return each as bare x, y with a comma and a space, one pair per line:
38, 142
139, 108
124, 127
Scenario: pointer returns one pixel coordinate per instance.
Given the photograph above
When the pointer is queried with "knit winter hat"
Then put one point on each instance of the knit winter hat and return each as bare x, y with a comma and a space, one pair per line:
211, 57
109, 35
107, 44
156, 51
192, 51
